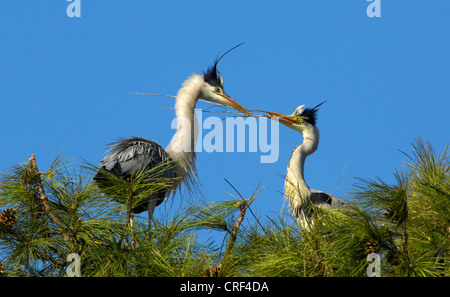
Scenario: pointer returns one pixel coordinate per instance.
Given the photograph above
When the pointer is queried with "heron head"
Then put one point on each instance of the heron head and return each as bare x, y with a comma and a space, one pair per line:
302, 119
213, 90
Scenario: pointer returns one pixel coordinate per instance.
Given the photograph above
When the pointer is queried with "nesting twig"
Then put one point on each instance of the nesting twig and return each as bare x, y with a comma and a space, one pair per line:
146, 94
209, 102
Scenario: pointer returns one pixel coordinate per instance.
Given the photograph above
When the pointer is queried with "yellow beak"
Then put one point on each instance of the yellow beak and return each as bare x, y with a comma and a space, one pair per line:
285, 119
233, 103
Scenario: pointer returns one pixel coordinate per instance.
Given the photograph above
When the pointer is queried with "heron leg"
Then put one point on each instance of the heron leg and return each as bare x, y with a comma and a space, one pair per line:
151, 209
131, 225
131, 218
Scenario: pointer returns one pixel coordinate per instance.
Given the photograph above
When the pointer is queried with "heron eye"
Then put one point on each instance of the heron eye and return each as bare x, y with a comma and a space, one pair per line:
300, 120
218, 90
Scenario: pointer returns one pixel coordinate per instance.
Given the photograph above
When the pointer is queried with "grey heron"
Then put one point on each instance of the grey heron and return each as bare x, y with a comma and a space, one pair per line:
131, 156
300, 196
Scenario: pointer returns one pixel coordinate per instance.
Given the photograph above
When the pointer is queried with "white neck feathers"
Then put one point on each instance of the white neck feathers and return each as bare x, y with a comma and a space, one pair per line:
296, 189
182, 146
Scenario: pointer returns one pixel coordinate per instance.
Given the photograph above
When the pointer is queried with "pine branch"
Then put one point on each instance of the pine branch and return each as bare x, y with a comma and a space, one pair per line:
47, 215
253, 195
230, 256
46, 204
233, 235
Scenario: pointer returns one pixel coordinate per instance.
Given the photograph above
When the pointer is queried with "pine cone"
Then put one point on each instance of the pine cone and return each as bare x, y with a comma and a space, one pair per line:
212, 271
9, 216
371, 246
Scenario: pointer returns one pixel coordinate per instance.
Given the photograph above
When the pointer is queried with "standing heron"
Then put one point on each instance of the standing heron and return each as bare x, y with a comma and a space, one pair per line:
135, 155
301, 197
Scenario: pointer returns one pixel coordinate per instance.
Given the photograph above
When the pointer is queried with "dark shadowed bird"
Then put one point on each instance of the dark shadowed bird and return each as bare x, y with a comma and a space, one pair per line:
132, 156
301, 197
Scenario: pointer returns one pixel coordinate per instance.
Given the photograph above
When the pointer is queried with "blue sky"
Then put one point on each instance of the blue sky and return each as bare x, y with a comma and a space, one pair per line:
65, 82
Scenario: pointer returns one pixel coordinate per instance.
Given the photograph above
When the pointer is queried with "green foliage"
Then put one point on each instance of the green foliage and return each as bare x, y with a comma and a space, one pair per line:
407, 224
47, 215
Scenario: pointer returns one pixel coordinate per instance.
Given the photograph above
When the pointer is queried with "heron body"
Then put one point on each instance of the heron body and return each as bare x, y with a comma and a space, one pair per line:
300, 196
130, 156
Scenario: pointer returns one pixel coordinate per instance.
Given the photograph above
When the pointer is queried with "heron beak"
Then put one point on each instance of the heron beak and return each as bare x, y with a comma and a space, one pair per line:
234, 104
285, 119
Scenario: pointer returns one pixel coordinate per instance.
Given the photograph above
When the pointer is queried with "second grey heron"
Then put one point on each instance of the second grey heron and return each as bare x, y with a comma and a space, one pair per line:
131, 156
300, 196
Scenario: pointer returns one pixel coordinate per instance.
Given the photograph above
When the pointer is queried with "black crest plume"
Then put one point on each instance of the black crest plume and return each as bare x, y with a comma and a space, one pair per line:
211, 76
311, 114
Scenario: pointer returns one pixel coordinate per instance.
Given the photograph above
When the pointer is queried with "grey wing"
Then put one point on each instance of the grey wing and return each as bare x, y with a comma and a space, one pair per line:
321, 198
337, 202
134, 155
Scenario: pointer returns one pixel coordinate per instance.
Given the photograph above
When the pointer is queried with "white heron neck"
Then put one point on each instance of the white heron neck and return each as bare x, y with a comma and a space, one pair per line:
182, 146
310, 140
296, 189
309, 146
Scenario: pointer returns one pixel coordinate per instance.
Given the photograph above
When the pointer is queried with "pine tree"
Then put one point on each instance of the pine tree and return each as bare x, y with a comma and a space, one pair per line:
407, 224
46, 216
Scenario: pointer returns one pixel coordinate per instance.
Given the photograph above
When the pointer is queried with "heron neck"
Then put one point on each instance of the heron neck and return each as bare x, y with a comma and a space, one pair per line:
310, 141
295, 173
182, 146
